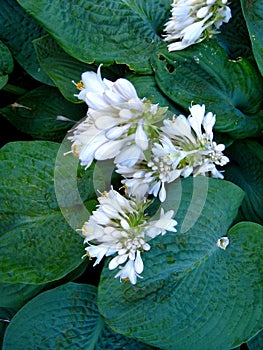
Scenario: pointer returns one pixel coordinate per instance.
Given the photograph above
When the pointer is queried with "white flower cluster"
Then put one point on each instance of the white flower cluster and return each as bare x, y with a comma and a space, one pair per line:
147, 154
194, 20
120, 225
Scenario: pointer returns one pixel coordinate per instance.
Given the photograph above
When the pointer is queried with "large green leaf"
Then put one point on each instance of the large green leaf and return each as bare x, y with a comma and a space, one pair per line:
36, 113
36, 245
17, 30
66, 317
246, 170
204, 74
193, 295
253, 13
105, 31
62, 68
6, 64
15, 295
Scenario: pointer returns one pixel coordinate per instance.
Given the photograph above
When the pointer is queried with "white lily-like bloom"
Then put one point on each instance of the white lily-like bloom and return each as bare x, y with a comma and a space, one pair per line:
120, 225
150, 177
185, 147
194, 20
195, 136
118, 124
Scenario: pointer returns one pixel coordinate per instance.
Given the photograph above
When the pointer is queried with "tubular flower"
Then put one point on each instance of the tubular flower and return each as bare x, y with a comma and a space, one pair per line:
195, 136
118, 124
185, 147
120, 225
150, 177
193, 21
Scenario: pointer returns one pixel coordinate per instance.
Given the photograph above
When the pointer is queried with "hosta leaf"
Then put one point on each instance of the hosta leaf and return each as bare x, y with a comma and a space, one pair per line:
253, 13
256, 342
104, 31
234, 35
193, 295
62, 68
66, 317
6, 64
36, 113
15, 295
246, 170
201, 74
17, 30
37, 245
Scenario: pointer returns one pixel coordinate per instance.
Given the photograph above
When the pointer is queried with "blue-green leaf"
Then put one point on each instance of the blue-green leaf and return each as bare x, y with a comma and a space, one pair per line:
193, 295
17, 30
66, 317
203, 74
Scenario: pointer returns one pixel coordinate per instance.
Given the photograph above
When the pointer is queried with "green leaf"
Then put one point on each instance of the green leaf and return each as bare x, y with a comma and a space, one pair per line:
193, 295
15, 295
233, 36
256, 342
6, 64
36, 245
63, 69
253, 13
35, 113
66, 317
108, 31
17, 32
246, 170
201, 74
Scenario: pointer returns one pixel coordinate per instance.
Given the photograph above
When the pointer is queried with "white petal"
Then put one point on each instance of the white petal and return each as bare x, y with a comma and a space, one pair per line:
117, 131
96, 101
128, 271
196, 118
109, 149
138, 263
125, 88
162, 193
129, 156
119, 259
141, 138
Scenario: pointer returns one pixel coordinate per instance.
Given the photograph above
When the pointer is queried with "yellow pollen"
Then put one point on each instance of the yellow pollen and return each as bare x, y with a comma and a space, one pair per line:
89, 256
125, 279
74, 151
80, 85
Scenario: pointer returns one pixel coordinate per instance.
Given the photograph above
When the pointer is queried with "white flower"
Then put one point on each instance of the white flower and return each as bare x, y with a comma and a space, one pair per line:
222, 242
118, 124
150, 177
194, 136
193, 20
119, 225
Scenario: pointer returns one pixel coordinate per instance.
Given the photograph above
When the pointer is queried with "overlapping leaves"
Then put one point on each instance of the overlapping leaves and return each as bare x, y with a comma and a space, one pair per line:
190, 286
66, 317
202, 74
104, 31
36, 115
17, 30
